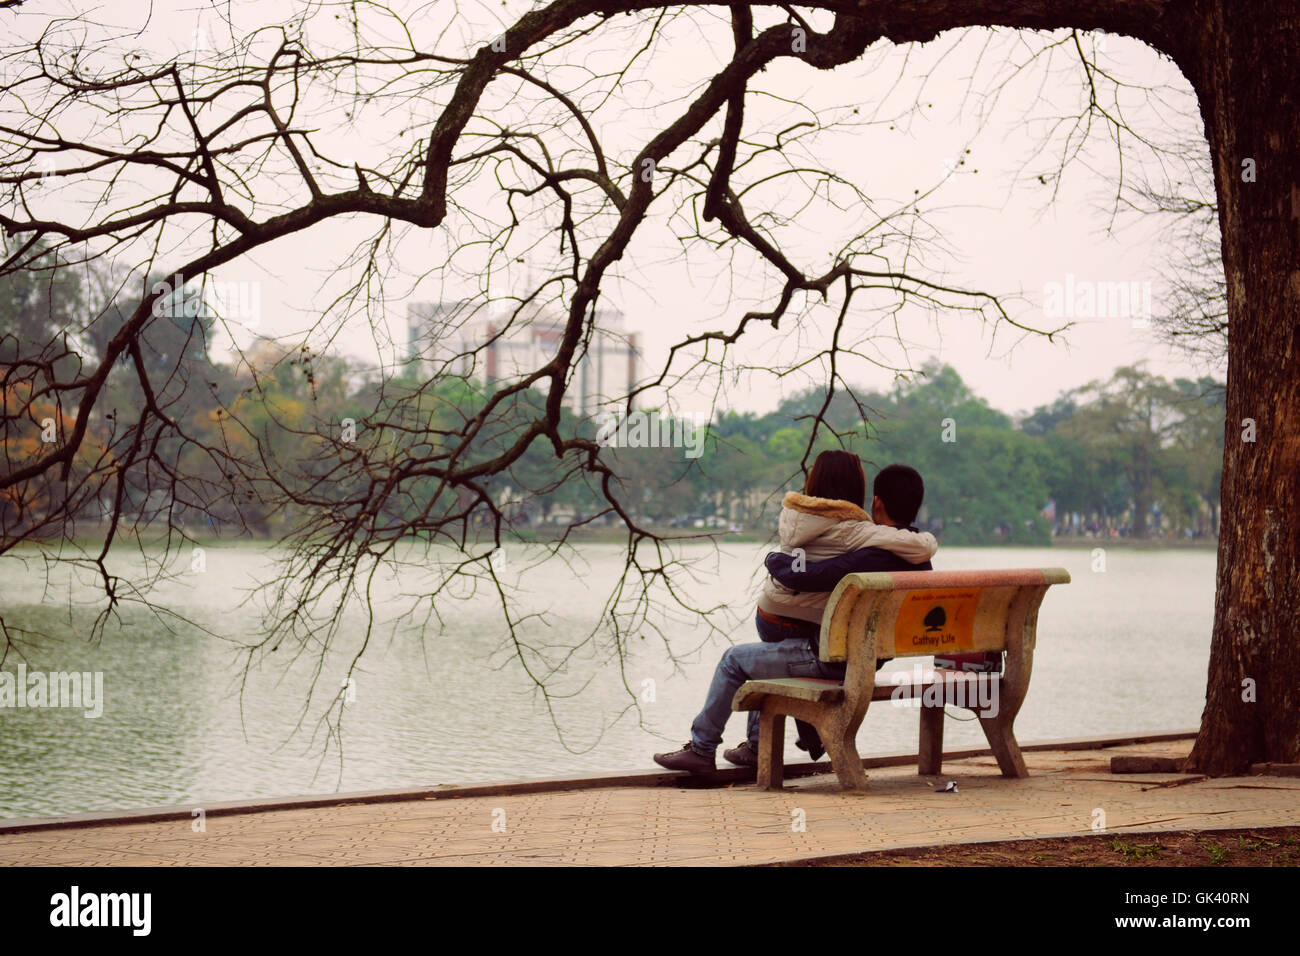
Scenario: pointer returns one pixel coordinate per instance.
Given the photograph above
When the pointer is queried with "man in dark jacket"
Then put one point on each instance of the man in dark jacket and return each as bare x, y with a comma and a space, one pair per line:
793, 651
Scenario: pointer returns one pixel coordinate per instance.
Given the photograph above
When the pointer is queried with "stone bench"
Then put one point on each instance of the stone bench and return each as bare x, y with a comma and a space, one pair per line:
893, 614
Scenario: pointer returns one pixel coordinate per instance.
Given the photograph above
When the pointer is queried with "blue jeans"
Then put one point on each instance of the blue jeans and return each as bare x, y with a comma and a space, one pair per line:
792, 657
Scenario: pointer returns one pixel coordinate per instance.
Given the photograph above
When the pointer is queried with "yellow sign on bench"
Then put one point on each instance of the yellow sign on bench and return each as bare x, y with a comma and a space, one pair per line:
936, 621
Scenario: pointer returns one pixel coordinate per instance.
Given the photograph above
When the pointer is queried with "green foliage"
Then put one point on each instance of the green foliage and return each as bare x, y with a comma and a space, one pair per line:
1135, 449
1122, 453
1134, 851
37, 306
1094, 451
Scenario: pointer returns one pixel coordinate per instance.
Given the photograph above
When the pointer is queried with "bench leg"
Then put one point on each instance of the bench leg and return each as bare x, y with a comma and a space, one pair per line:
843, 751
1004, 746
771, 749
931, 749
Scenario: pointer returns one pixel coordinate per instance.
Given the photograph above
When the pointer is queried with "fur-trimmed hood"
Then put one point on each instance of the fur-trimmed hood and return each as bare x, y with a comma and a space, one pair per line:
831, 508
824, 527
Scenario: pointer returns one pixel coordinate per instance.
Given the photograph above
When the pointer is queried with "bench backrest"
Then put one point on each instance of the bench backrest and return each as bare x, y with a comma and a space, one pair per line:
913, 613
931, 612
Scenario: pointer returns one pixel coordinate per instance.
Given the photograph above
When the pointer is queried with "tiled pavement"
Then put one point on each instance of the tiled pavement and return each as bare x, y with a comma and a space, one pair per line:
664, 825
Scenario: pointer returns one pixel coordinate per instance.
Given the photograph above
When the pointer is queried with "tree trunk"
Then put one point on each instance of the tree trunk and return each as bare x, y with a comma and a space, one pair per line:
1245, 66
1141, 489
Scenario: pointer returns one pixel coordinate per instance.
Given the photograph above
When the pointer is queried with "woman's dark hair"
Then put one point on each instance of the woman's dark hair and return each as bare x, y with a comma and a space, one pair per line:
837, 475
901, 491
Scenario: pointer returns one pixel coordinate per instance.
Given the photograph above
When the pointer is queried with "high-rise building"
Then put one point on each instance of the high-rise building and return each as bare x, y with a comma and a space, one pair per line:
463, 338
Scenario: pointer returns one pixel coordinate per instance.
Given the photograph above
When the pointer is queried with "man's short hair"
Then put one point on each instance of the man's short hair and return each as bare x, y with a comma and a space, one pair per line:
901, 490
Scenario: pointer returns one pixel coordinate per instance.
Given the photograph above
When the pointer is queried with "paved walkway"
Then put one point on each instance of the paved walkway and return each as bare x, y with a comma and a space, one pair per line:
665, 825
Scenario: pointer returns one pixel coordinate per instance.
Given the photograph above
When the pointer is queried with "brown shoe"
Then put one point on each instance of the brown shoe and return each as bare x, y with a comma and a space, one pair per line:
686, 759
742, 756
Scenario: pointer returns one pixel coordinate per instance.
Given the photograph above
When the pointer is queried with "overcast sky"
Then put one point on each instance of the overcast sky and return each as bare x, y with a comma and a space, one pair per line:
1003, 230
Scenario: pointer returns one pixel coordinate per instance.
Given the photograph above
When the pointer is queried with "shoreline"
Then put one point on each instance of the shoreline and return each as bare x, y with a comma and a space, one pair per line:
725, 776
616, 536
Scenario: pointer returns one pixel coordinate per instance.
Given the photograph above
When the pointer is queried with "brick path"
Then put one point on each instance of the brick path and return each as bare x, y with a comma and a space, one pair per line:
665, 825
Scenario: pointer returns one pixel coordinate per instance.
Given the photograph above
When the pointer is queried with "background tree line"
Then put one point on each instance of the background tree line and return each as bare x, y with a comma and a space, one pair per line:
1135, 455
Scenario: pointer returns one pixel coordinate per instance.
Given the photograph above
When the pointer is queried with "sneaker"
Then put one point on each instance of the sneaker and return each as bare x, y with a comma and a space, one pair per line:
686, 759
742, 756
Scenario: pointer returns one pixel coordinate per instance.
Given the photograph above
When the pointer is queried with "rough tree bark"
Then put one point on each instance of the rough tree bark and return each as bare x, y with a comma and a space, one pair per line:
1245, 66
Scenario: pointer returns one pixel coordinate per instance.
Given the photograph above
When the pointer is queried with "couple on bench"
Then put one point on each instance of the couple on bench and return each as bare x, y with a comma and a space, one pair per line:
825, 534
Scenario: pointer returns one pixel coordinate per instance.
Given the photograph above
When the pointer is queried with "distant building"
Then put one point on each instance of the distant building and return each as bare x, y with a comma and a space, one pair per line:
466, 339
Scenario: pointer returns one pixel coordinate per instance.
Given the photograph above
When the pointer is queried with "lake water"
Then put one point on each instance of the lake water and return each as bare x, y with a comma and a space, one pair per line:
1124, 650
